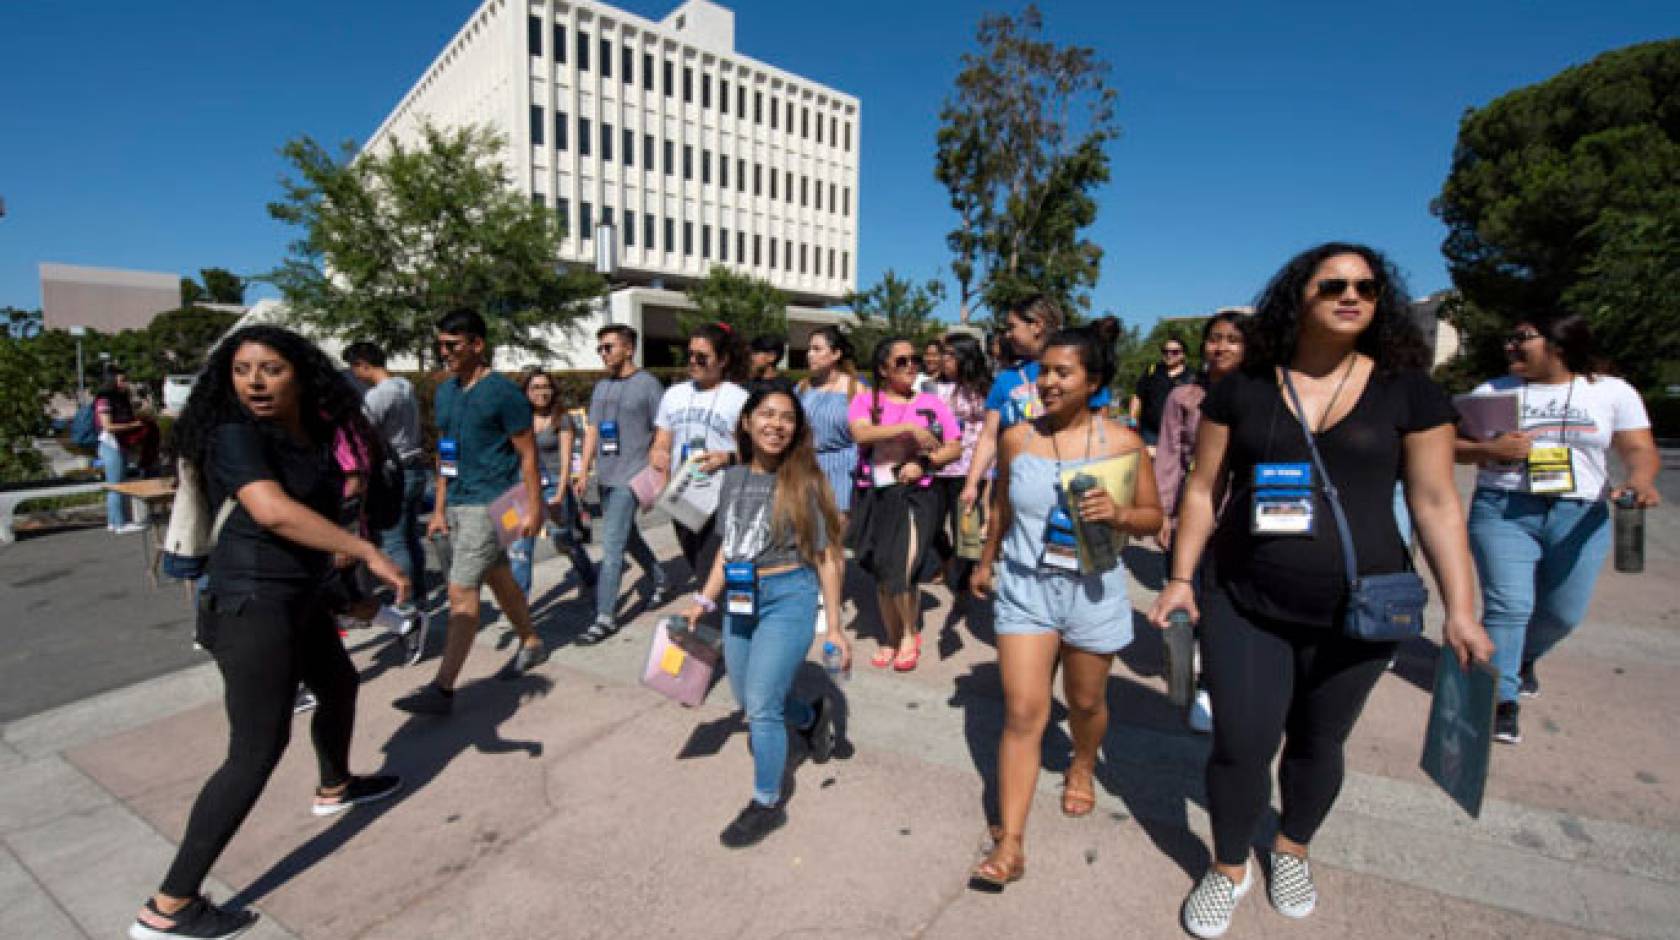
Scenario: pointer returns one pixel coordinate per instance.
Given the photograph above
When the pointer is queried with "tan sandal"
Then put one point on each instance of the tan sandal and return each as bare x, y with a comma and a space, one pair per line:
1005, 865
1078, 800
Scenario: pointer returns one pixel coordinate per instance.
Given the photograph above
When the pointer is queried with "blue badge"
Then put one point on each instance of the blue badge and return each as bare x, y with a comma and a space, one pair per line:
740, 588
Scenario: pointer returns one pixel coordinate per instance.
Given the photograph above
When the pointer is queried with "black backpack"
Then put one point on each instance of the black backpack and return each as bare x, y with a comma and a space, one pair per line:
384, 502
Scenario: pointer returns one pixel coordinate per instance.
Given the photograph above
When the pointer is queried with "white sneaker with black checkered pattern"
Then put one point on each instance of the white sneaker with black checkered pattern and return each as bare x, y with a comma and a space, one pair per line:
1208, 909
1292, 891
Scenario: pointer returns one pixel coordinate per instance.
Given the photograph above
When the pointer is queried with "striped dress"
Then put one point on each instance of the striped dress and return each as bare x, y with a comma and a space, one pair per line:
837, 455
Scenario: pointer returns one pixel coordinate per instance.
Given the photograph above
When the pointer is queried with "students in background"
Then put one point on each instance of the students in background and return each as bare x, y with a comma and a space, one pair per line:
1539, 524
552, 433
766, 354
964, 382
825, 395
1150, 399
113, 409
394, 409
906, 436
1335, 322
1047, 608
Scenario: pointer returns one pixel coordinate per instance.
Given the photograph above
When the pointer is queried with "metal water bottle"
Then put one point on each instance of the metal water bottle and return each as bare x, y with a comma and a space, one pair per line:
1630, 534
1097, 536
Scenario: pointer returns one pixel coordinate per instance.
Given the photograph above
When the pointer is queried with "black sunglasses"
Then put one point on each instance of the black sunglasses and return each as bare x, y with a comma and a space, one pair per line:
1332, 287
699, 359
900, 362
604, 348
1520, 337
1171, 351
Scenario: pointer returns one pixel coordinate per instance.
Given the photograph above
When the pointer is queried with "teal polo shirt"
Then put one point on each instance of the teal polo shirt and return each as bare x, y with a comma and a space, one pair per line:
482, 420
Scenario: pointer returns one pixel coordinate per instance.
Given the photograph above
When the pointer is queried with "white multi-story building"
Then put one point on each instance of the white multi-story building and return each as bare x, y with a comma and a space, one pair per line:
663, 138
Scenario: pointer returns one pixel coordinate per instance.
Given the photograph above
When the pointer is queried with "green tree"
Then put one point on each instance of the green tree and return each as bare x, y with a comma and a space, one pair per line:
894, 306
1021, 146
1563, 195
23, 398
222, 286
180, 340
750, 306
395, 239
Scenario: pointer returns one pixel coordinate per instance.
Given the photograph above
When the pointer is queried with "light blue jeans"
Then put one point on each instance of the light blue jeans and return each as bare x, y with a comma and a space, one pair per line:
111, 460
618, 532
761, 655
402, 541
1538, 558
523, 552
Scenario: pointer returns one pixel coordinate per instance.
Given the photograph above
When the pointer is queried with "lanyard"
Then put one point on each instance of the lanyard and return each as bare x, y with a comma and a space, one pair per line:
1563, 420
706, 423
1089, 428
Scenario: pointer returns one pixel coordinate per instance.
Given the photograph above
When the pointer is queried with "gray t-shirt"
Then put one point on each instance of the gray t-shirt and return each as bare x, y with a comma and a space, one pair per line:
746, 500
395, 411
631, 403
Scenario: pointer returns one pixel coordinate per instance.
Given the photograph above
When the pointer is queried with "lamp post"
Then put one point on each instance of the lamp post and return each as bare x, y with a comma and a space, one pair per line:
81, 385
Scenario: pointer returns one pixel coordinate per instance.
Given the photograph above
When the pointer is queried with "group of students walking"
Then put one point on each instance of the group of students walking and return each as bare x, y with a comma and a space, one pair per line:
1272, 477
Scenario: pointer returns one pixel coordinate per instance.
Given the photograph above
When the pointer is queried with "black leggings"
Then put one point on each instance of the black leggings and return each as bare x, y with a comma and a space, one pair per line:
699, 548
1273, 680
264, 647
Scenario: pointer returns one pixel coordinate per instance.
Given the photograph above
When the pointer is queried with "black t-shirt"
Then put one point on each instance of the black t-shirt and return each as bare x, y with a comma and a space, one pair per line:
1152, 392
1303, 578
246, 555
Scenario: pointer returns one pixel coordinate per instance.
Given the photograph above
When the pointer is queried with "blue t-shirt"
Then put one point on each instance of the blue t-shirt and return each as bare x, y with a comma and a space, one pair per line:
482, 420
1014, 395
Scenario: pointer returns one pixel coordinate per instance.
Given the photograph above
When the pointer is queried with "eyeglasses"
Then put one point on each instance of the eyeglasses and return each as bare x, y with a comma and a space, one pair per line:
1520, 337
1332, 287
1172, 352
604, 348
700, 359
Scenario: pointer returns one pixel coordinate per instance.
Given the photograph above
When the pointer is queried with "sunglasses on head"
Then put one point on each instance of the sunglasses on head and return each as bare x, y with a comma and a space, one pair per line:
1520, 337
1332, 287
700, 358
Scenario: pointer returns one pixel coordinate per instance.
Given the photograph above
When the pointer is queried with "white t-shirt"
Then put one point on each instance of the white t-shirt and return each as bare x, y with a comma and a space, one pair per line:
1581, 413
689, 413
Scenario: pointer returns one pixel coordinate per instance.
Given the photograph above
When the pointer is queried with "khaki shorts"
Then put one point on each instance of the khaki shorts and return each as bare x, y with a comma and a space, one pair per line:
473, 545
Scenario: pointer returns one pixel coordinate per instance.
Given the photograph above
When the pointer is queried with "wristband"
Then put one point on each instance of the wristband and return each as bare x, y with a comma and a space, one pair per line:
1183, 580
706, 604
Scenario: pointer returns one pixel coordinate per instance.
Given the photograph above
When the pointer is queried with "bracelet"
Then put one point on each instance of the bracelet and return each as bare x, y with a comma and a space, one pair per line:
1183, 580
706, 603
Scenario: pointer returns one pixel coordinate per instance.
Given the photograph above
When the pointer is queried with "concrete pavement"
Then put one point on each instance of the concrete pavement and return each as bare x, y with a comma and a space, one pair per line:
574, 803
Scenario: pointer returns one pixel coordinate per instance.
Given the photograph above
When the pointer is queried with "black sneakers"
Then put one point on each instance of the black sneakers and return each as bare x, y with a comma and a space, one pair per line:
426, 700
1530, 683
754, 823
1505, 723
601, 629
199, 920
359, 790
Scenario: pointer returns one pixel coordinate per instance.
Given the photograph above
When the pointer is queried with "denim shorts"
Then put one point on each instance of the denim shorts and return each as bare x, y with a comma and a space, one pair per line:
1091, 612
473, 545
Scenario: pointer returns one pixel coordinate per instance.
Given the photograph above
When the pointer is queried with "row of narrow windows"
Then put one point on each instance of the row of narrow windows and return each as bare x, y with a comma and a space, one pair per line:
784, 185
808, 257
839, 133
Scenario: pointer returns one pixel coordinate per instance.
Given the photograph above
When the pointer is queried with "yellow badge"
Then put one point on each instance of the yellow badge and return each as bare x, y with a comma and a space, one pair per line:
1551, 469
672, 661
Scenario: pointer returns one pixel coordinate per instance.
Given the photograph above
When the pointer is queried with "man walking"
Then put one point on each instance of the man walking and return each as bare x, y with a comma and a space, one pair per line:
765, 356
485, 448
394, 409
1149, 402
615, 445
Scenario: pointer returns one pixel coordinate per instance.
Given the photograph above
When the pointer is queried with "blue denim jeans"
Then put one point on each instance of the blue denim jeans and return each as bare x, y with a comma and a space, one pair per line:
402, 541
1538, 558
761, 655
522, 553
619, 532
115, 466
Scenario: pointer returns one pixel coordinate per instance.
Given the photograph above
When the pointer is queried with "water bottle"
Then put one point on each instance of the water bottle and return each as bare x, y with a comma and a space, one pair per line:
1630, 534
933, 425
1178, 644
833, 663
1097, 536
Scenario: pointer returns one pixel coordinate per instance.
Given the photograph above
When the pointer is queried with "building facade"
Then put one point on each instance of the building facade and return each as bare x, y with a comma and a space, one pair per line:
658, 136
107, 300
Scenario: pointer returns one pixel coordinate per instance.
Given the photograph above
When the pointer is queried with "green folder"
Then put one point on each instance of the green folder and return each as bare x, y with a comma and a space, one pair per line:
1459, 739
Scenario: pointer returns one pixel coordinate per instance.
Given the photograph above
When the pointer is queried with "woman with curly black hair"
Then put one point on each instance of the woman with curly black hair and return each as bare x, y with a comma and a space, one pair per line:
1333, 354
260, 430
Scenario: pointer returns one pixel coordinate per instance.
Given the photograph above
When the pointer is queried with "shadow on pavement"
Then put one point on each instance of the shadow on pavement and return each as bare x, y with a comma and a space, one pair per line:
419, 750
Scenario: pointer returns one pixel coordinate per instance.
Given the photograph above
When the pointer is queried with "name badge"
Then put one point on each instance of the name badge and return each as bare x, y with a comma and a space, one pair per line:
1283, 503
1061, 546
696, 445
740, 588
1551, 469
449, 458
609, 438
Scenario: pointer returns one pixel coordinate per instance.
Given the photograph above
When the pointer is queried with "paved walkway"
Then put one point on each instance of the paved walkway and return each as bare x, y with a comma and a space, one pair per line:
574, 803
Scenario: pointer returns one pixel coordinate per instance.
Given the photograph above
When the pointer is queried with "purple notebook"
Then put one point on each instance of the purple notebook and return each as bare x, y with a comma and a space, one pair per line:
1485, 417
508, 511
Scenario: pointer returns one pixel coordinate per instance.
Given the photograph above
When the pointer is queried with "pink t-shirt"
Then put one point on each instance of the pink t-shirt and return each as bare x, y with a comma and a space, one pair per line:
883, 457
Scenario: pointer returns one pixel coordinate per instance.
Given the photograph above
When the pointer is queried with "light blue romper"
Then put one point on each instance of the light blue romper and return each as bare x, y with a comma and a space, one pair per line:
1092, 612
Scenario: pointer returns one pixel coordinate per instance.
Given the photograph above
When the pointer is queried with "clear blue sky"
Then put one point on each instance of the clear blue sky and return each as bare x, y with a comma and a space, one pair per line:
144, 135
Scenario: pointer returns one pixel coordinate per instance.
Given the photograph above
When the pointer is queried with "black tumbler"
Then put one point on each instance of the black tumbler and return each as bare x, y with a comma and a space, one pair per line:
1630, 534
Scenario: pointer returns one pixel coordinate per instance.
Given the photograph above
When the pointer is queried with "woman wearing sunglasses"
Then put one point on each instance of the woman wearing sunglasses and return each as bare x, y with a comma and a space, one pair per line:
1222, 354
1539, 526
1334, 325
554, 432
1047, 608
906, 435
697, 418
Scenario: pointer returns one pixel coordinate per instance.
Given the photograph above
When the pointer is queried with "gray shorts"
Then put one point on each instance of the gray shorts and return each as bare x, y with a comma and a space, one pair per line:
473, 545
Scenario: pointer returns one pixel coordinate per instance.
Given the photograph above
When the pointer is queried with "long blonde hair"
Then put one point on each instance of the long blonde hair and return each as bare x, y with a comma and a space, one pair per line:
797, 478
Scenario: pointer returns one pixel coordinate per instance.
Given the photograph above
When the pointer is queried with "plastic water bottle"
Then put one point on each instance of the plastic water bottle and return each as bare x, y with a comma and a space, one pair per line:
1630, 534
1097, 536
833, 663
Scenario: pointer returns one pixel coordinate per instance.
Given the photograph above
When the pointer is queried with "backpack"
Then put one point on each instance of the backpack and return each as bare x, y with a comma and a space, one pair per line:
384, 502
84, 427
